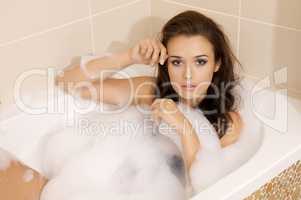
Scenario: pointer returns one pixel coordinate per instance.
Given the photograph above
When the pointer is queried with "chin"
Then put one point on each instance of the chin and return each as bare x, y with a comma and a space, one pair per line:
190, 96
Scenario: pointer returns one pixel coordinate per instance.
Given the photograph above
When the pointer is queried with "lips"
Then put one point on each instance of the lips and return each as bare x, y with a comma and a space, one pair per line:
188, 86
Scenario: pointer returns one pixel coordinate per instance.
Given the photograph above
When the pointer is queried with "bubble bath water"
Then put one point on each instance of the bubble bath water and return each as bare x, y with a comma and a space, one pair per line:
120, 155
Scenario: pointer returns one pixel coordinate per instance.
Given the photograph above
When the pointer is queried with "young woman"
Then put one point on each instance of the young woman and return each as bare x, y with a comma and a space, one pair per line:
195, 67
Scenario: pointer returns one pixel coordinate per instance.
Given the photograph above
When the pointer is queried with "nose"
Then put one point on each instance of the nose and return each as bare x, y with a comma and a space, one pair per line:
188, 73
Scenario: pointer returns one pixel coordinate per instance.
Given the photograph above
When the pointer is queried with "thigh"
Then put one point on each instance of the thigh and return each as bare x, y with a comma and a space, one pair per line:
20, 182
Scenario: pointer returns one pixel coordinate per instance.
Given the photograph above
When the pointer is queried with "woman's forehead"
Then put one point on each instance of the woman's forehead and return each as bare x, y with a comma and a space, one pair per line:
192, 46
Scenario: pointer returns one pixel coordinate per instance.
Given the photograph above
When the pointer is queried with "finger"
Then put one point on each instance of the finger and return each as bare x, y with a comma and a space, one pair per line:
143, 45
149, 50
156, 52
155, 103
165, 106
137, 49
163, 54
156, 116
160, 104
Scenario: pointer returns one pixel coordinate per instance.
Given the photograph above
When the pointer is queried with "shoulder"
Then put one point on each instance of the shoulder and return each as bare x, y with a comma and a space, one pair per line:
235, 117
234, 130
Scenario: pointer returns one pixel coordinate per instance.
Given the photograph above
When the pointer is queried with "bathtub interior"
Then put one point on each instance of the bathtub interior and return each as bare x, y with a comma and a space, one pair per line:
25, 144
280, 116
251, 138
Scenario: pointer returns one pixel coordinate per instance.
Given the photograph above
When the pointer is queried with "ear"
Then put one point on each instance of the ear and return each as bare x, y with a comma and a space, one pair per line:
217, 66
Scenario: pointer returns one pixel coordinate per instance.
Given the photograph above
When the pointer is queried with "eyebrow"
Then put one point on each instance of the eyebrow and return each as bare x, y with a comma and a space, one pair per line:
195, 56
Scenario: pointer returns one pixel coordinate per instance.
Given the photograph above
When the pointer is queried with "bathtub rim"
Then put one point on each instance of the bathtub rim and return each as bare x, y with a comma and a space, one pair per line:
245, 180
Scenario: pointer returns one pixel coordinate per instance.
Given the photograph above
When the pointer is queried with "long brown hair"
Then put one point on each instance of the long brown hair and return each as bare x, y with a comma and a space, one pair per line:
216, 110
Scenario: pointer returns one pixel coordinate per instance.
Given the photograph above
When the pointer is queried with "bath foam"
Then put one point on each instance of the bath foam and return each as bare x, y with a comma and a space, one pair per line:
5, 159
213, 162
133, 162
128, 163
73, 159
206, 169
23, 134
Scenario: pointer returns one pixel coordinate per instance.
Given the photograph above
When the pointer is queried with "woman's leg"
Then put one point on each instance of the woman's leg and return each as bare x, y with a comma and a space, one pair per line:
19, 182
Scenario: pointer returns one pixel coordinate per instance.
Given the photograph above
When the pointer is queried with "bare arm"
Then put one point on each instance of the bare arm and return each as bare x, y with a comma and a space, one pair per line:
190, 142
167, 110
116, 91
114, 62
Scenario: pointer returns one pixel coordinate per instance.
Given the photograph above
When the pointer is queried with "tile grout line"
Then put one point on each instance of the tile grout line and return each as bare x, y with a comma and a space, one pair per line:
234, 16
238, 28
200, 8
136, 1
270, 24
116, 8
92, 39
150, 14
43, 32
152, 33
65, 25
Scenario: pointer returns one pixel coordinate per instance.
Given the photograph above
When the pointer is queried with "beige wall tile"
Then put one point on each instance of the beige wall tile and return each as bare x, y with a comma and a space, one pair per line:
229, 6
162, 11
122, 28
265, 49
102, 5
22, 18
286, 13
54, 49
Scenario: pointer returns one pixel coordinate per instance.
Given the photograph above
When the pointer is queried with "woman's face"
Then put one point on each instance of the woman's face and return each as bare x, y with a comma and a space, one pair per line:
191, 66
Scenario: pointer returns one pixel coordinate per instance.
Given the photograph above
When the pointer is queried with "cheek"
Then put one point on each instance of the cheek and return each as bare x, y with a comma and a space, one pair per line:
203, 75
203, 78
175, 74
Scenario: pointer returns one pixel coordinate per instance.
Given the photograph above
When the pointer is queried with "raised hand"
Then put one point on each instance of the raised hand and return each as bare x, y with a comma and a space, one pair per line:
148, 51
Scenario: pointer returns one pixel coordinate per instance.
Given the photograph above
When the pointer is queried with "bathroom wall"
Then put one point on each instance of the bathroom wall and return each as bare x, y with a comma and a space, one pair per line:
37, 34
266, 35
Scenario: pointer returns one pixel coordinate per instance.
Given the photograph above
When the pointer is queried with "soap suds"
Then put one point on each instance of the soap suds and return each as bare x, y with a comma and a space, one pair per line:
5, 160
133, 164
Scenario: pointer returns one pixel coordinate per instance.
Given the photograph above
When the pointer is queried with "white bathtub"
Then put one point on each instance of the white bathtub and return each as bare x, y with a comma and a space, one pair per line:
275, 151
280, 148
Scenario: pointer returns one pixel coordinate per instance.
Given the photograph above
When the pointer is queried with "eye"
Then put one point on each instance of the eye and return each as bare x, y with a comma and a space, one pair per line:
176, 62
201, 61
